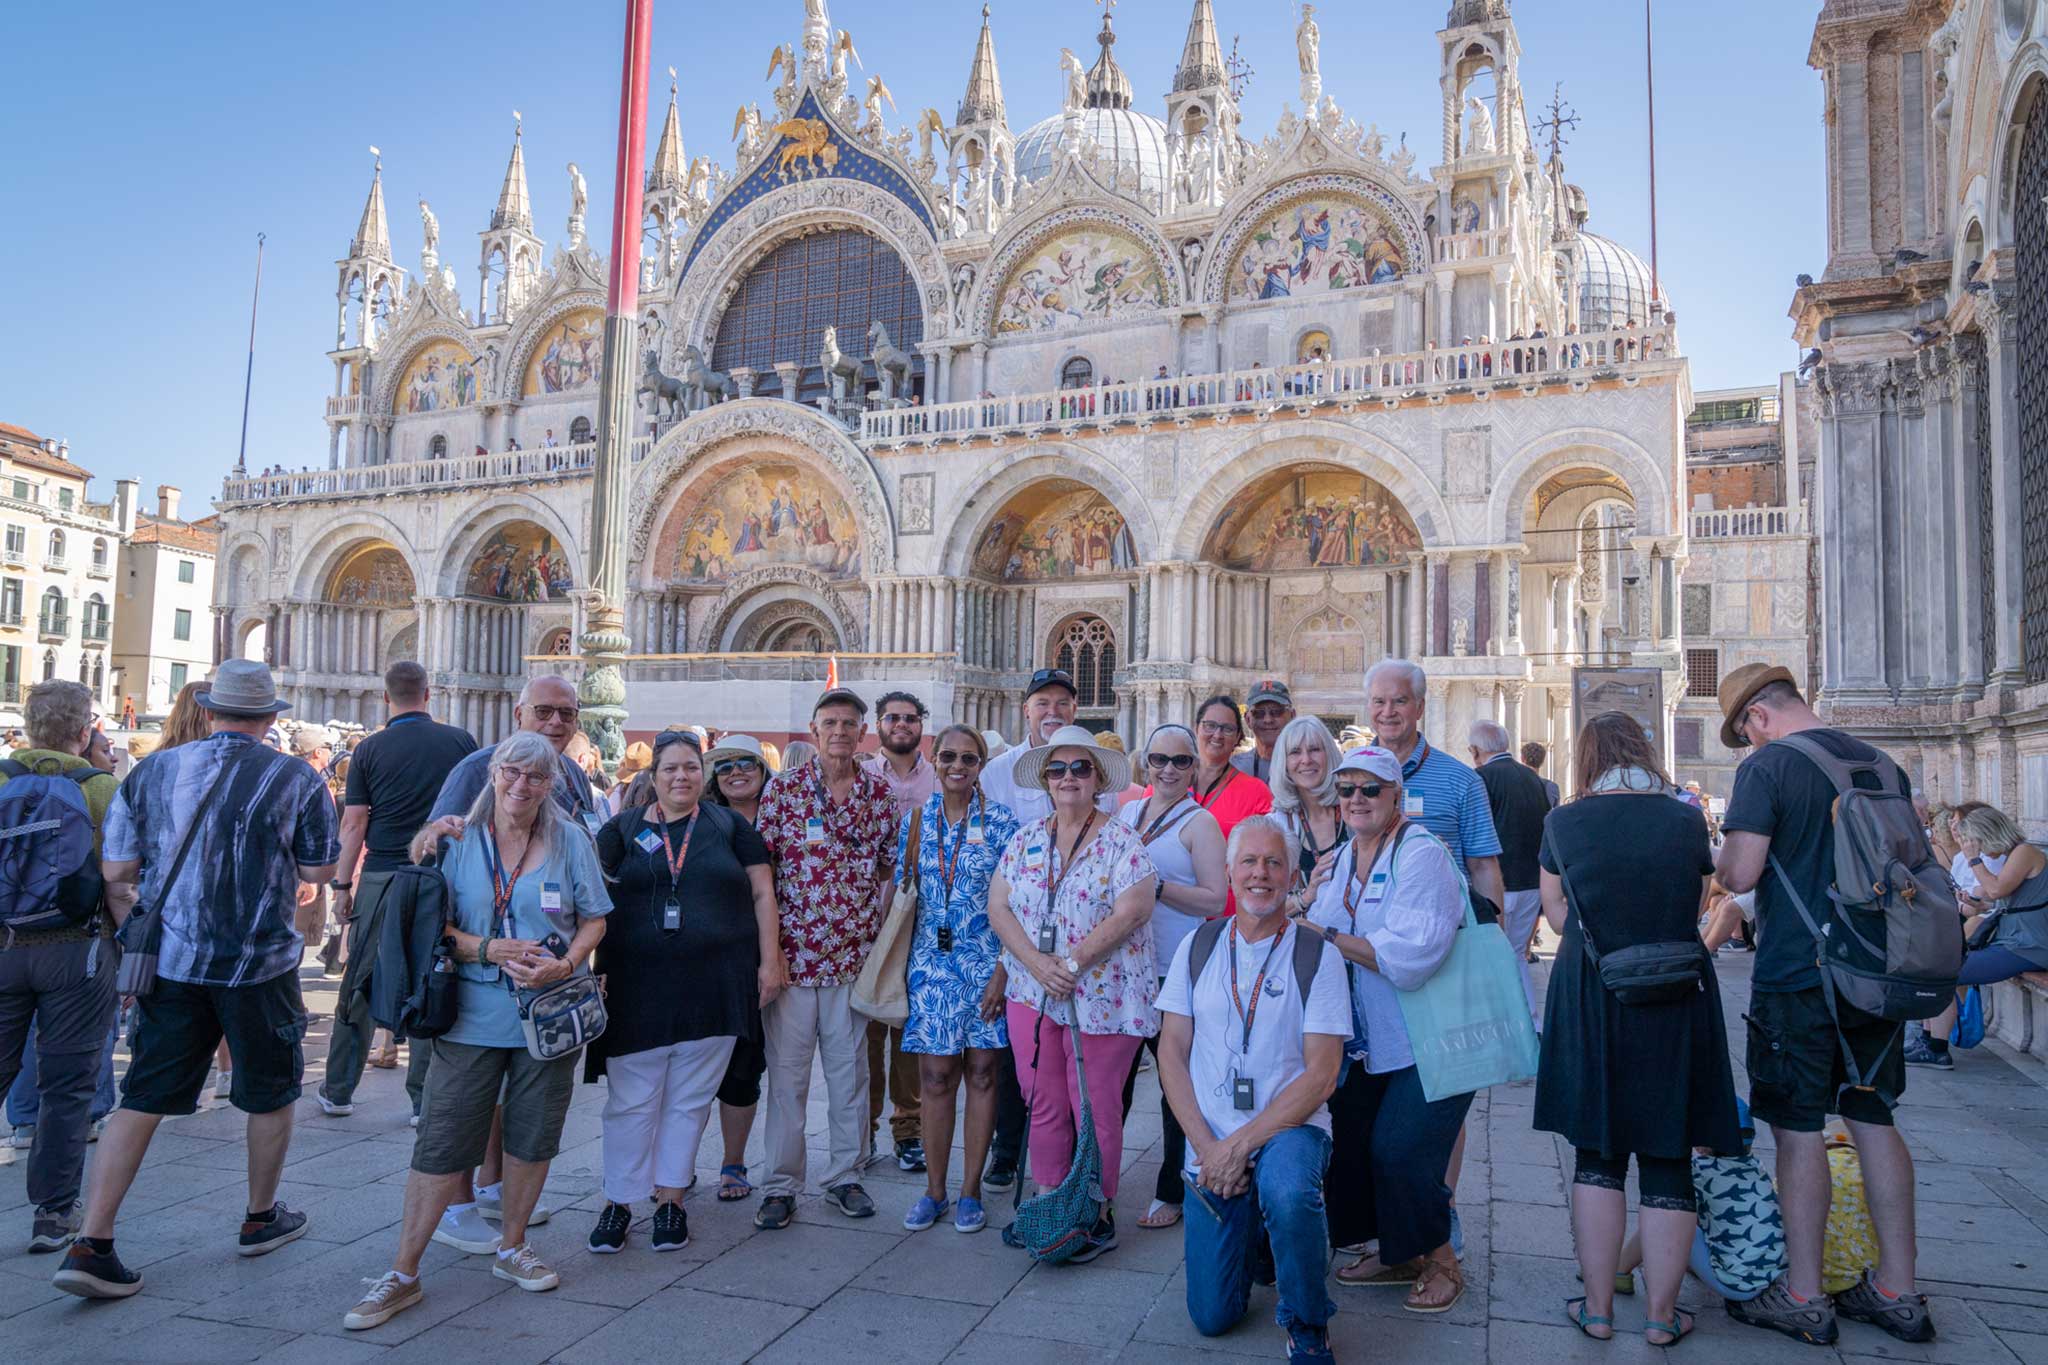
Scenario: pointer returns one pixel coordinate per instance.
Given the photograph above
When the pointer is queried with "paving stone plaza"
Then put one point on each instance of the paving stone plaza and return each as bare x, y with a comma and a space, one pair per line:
829, 1289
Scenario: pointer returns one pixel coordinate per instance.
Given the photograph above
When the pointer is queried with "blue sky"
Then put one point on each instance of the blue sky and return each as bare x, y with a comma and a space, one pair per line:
146, 145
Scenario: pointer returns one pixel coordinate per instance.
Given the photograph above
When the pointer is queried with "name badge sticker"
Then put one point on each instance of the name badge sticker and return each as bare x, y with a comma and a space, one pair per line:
1411, 805
974, 832
1376, 882
592, 822
814, 830
649, 841
551, 897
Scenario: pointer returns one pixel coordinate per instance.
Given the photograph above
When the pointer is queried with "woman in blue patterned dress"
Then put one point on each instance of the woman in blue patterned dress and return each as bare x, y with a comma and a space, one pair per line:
956, 974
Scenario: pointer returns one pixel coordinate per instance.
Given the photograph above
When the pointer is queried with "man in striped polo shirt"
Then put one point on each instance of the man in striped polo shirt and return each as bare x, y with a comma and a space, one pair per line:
1441, 792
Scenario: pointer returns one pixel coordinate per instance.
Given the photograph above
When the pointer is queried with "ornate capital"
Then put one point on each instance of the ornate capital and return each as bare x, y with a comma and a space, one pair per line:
1848, 390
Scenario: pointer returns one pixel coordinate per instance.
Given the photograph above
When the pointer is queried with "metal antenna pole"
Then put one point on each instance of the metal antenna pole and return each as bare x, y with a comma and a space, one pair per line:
1650, 82
249, 373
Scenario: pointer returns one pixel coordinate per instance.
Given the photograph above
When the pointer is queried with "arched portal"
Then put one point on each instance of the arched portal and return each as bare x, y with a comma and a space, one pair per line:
340, 645
508, 576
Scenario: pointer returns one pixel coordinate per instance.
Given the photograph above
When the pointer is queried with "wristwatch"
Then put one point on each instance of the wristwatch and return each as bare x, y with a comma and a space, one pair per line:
1072, 964
338, 884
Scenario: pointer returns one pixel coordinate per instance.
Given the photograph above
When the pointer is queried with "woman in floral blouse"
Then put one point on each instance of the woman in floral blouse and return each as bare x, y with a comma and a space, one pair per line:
956, 975
1072, 903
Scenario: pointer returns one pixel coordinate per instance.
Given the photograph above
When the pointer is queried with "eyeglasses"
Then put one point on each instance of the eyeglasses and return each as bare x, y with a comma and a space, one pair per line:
520, 777
1177, 762
1217, 727
1267, 710
958, 758
542, 712
1369, 790
1079, 767
902, 718
725, 767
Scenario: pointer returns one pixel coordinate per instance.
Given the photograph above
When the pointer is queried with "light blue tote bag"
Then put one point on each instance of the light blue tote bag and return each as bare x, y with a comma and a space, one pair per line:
1469, 1025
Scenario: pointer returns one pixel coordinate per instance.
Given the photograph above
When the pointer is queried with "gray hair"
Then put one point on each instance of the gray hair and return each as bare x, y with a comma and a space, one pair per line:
1287, 798
1418, 681
1177, 728
526, 692
528, 751
1260, 824
56, 712
1490, 737
1992, 828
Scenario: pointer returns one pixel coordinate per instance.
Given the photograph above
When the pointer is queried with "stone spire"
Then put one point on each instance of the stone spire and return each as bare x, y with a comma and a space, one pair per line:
515, 207
1108, 86
983, 102
1201, 61
373, 234
671, 167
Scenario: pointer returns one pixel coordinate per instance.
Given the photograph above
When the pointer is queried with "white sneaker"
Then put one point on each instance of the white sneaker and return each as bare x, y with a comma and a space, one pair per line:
466, 1231
525, 1268
99, 1126
24, 1137
414, 1121
494, 1209
223, 1085
331, 1109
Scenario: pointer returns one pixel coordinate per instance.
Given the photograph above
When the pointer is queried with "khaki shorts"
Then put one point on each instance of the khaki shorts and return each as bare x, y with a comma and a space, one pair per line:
464, 1085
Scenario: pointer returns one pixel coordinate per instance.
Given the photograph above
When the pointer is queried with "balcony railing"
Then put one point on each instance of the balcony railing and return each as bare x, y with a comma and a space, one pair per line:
94, 632
100, 568
54, 627
14, 554
56, 563
345, 405
1377, 378
1742, 523
505, 466
1472, 246
10, 616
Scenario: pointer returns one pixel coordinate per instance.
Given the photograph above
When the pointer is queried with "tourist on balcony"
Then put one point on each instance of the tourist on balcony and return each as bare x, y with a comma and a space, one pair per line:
1072, 901
2009, 877
1185, 845
956, 979
1392, 908
739, 773
691, 956
830, 826
519, 872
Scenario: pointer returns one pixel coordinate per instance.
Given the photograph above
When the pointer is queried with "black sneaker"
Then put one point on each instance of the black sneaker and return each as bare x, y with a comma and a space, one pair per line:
775, 1212
851, 1200
330, 956
1905, 1317
94, 1274
609, 1233
266, 1232
1920, 1053
1002, 1173
1101, 1238
1812, 1322
910, 1155
671, 1227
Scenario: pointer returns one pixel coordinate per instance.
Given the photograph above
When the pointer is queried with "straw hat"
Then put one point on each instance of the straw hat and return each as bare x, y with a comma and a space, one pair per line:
1116, 769
997, 745
737, 746
639, 756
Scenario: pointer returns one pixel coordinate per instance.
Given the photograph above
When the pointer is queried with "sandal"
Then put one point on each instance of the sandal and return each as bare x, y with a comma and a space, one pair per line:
1160, 1215
1367, 1270
1586, 1322
1678, 1329
1437, 1289
733, 1184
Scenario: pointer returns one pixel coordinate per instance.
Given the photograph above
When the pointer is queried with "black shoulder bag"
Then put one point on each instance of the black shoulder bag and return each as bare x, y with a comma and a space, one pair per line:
1659, 973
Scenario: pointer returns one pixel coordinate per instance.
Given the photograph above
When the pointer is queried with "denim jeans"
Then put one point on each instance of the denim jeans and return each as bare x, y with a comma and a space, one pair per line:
1285, 1206
24, 1104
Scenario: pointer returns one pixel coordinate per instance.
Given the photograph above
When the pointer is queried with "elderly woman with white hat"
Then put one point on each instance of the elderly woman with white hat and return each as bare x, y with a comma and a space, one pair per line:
1072, 902
1392, 907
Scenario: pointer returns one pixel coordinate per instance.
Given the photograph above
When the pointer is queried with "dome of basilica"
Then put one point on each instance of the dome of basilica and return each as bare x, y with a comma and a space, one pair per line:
1614, 285
1133, 147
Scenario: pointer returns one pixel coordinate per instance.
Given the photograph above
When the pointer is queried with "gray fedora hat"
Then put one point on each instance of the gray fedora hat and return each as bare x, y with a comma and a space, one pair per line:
241, 687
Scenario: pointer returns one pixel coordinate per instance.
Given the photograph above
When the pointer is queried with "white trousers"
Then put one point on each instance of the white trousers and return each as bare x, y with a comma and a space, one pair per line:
655, 1106
806, 1022
1518, 921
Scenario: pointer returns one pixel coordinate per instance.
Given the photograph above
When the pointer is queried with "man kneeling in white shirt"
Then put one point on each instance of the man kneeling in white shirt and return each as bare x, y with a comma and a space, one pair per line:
1253, 1019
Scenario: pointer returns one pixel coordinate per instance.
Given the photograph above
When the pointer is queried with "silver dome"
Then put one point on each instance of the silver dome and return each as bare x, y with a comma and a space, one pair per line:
1133, 143
1614, 286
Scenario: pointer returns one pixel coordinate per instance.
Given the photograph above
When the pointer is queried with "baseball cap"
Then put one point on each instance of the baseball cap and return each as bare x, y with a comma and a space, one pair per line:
1050, 677
1271, 689
1372, 761
842, 696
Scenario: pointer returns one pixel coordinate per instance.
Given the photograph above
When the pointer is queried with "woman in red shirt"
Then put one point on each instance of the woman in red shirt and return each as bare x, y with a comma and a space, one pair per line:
1226, 792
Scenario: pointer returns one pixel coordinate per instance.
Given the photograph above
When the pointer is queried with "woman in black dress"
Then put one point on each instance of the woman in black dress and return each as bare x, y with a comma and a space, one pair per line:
694, 959
1616, 1080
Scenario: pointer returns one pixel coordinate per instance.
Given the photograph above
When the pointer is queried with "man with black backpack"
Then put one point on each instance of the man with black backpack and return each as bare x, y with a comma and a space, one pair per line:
56, 967
1252, 1024
1852, 934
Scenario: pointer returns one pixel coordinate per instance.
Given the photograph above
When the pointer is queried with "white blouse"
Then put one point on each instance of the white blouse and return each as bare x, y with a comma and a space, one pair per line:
1410, 909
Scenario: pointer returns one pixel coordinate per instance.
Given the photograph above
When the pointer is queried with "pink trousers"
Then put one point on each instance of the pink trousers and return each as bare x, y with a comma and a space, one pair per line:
1053, 1093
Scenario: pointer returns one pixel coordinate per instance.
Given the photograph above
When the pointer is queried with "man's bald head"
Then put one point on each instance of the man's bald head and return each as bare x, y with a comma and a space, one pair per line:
547, 707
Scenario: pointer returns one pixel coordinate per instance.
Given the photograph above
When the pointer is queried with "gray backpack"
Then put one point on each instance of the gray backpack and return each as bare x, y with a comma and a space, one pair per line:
1890, 941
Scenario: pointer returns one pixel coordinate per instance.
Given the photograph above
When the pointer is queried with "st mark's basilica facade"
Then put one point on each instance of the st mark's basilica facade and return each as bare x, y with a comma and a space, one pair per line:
1135, 389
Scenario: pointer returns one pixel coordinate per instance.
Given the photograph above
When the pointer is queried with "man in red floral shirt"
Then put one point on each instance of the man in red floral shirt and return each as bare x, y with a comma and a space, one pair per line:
831, 828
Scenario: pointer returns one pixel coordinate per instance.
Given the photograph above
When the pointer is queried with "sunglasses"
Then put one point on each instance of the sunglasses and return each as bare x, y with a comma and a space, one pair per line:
725, 767
1177, 762
1370, 790
894, 718
1079, 767
958, 758
554, 712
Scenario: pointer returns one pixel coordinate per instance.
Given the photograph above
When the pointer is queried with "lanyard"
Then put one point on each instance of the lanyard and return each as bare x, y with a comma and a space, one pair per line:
948, 861
1052, 836
502, 886
1222, 780
1158, 826
1247, 1015
675, 859
1351, 883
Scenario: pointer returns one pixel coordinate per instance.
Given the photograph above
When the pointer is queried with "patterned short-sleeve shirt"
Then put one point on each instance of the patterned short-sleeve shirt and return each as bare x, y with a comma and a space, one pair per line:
828, 888
1118, 994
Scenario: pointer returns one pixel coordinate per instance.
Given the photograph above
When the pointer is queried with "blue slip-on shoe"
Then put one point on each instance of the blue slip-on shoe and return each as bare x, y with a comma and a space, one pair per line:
925, 1212
968, 1215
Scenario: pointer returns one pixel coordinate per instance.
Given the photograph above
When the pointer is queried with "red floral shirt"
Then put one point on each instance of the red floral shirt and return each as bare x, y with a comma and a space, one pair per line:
829, 890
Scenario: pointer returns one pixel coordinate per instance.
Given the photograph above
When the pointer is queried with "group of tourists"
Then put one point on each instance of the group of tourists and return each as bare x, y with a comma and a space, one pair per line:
1247, 904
